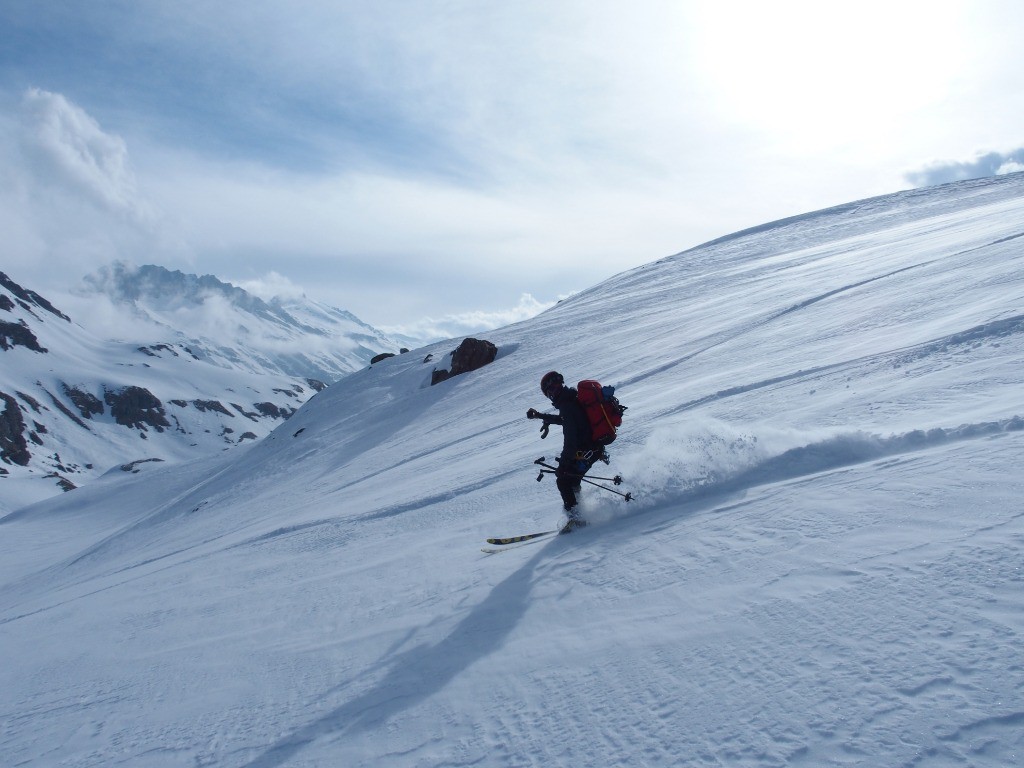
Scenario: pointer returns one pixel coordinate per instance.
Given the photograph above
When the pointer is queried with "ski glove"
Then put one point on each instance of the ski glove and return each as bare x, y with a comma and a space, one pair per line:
533, 413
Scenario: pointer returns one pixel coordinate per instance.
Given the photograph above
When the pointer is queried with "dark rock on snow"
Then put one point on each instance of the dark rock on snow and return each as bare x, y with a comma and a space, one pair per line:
27, 298
470, 355
13, 446
136, 407
18, 335
87, 404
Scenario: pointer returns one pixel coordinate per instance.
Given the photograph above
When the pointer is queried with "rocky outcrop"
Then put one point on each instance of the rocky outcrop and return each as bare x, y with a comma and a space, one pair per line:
160, 350
59, 405
471, 355
386, 355
212, 405
136, 407
30, 401
274, 411
13, 446
133, 466
251, 415
28, 298
156, 349
18, 335
87, 404
62, 482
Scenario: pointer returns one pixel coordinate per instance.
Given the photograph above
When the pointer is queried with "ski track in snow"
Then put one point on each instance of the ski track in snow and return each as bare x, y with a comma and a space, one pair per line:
821, 566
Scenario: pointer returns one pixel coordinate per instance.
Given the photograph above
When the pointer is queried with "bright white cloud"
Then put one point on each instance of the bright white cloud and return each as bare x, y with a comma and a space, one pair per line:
69, 200
396, 158
812, 76
269, 286
467, 323
71, 150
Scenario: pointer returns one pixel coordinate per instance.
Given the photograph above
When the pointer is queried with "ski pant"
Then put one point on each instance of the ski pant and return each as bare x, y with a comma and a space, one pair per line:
569, 483
568, 487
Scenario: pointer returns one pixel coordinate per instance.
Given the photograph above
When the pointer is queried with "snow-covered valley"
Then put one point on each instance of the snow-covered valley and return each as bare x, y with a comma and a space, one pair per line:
821, 565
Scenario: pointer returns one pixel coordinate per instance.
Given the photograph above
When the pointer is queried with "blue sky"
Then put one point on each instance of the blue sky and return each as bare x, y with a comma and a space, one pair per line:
429, 164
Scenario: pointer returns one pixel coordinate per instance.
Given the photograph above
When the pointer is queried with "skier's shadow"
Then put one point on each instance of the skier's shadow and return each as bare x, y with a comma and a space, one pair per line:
418, 673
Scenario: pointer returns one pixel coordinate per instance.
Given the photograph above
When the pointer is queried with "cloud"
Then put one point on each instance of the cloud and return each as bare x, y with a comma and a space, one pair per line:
401, 160
393, 249
72, 151
271, 285
467, 323
69, 198
984, 165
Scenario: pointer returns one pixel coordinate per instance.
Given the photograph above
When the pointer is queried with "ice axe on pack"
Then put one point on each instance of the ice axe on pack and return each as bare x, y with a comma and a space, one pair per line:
549, 470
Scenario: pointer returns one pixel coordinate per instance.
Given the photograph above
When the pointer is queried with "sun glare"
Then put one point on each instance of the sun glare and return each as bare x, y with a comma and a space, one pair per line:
820, 73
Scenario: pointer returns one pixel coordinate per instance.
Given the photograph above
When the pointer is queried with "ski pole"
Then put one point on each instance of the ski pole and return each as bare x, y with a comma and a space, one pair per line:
617, 479
540, 461
551, 470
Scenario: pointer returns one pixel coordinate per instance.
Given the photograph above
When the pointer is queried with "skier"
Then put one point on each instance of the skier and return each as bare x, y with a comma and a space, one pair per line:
579, 452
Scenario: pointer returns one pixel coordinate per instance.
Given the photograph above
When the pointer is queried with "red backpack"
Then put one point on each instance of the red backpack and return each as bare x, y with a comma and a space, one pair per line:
604, 412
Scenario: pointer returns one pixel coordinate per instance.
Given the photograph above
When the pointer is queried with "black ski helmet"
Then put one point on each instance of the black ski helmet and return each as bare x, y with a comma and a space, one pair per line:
551, 384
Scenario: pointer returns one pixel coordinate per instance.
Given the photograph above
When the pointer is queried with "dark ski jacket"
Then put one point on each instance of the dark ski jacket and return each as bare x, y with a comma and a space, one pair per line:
575, 426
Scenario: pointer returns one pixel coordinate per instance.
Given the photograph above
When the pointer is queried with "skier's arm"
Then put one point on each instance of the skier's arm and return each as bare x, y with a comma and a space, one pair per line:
549, 418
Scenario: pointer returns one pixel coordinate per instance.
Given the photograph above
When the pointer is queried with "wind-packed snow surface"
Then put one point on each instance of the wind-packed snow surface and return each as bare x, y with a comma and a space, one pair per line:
822, 565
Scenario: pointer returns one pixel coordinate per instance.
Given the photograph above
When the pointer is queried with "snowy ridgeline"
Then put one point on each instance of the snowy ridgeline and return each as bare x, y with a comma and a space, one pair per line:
821, 566
150, 364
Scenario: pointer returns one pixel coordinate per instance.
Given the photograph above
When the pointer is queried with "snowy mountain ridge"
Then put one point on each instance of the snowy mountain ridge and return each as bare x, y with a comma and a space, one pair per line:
229, 326
821, 567
196, 366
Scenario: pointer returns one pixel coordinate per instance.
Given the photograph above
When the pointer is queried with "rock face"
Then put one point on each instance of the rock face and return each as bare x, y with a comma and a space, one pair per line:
273, 411
18, 335
210, 405
136, 407
13, 446
470, 355
87, 404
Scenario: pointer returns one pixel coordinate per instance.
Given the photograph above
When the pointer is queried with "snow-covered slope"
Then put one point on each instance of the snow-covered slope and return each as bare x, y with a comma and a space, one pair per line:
194, 366
821, 566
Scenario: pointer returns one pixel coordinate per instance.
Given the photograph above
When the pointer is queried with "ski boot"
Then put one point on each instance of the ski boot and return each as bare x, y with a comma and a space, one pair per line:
574, 521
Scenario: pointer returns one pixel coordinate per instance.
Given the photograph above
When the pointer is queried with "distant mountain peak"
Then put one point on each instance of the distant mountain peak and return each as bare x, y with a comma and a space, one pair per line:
292, 335
165, 288
189, 364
